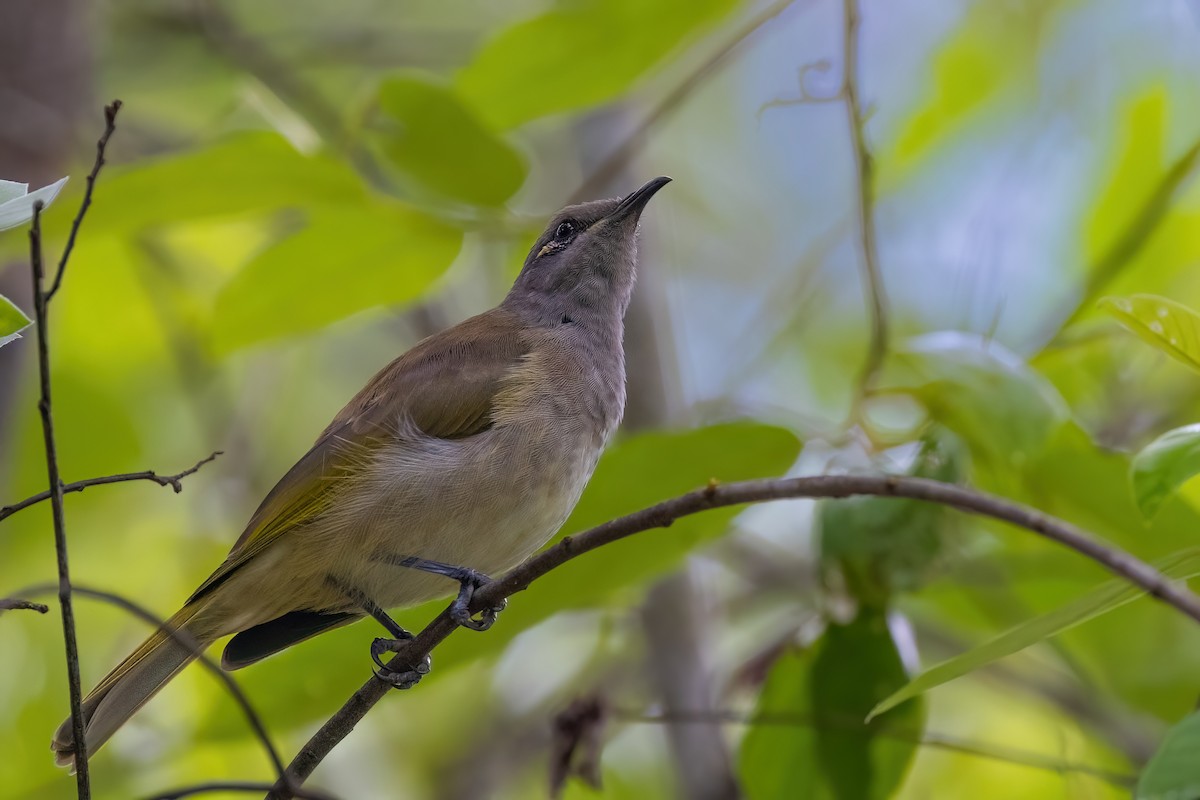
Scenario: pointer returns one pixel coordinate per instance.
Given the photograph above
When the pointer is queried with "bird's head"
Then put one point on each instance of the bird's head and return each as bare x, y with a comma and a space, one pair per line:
586, 258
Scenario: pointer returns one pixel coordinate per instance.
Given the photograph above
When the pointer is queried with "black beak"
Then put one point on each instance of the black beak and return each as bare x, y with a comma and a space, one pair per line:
632, 204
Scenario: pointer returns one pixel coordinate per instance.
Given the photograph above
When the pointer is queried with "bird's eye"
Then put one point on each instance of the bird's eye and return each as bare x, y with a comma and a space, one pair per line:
564, 230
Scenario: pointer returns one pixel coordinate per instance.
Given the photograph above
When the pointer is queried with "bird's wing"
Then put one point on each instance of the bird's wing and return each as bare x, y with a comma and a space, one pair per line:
446, 386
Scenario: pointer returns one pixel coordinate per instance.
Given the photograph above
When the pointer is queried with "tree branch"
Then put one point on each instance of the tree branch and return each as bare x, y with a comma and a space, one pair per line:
40, 299
218, 786
185, 640
174, 481
1117, 561
110, 125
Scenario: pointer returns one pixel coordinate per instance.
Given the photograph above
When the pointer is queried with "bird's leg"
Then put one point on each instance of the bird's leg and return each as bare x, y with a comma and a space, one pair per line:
399, 678
469, 581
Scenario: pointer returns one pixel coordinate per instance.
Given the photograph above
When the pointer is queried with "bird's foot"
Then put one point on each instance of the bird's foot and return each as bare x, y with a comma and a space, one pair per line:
469, 581
399, 678
460, 608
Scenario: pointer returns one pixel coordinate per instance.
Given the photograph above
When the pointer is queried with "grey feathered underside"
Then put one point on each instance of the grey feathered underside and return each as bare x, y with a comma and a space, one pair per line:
255, 644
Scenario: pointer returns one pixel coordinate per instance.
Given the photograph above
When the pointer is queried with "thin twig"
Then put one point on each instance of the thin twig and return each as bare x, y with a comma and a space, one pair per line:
228, 786
1119, 562
953, 744
864, 171
599, 178
40, 299
17, 604
174, 481
110, 124
188, 642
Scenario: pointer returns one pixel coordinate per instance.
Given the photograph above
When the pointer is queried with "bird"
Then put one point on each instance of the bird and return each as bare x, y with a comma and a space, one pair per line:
457, 460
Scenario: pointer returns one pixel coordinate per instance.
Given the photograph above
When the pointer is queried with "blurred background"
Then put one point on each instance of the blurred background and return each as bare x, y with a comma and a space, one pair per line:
298, 191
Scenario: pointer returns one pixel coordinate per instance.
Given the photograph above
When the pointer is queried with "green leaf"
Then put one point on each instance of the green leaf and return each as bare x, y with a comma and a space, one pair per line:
1101, 600
431, 136
344, 261
12, 321
1164, 324
635, 473
568, 58
881, 545
244, 172
1173, 772
1163, 466
987, 395
808, 737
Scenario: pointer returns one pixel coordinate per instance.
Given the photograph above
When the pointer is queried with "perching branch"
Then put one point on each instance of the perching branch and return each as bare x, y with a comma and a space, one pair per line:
40, 300
174, 481
185, 640
110, 125
1117, 561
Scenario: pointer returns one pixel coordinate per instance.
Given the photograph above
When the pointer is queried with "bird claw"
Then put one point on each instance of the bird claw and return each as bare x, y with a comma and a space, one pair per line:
460, 608
398, 678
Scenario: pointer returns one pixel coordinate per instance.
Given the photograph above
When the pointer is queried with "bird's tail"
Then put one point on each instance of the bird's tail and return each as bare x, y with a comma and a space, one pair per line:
133, 682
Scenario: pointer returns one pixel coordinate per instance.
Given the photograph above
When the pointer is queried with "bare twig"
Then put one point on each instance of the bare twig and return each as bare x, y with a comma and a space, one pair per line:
228, 786
187, 641
110, 124
937, 741
174, 481
40, 299
17, 604
865, 173
1123, 564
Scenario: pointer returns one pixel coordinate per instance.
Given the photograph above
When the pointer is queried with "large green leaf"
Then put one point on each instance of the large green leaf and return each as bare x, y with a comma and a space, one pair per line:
1163, 466
1173, 772
12, 321
809, 737
344, 261
432, 137
1104, 598
244, 172
635, 473
987, 395
1166, 325
578, 55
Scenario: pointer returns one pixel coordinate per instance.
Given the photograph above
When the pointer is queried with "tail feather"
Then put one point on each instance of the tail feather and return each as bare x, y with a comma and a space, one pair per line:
130, 685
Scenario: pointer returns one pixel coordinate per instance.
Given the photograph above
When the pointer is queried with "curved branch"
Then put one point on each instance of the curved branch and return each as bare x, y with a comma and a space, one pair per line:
174, 481
186, 640
226, 786
1121, 563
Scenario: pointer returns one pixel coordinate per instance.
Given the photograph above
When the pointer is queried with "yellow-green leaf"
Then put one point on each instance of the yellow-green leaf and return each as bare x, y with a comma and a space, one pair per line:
432, 137
12, 321
344, 261
577, 55
1101, 600
1169, 326
1163, 466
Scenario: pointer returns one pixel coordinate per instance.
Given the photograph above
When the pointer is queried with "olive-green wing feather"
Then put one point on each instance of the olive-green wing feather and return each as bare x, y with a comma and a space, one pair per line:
446, 386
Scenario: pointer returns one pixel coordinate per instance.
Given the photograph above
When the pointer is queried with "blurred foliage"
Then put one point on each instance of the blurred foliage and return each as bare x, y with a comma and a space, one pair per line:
298, 191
